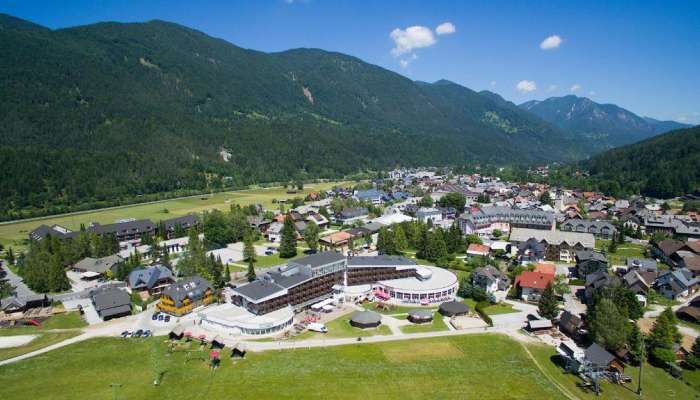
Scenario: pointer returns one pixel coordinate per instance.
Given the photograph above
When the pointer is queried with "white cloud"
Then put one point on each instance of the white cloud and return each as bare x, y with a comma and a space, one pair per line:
445, 28
551, 42
575, 88
413, 37
552, 88
591, 93
404, 62
526, 86
492, 83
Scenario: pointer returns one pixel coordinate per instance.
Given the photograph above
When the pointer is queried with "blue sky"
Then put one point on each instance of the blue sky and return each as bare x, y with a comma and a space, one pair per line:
641, 55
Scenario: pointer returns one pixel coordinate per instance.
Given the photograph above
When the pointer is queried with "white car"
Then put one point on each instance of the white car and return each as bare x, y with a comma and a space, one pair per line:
317, 327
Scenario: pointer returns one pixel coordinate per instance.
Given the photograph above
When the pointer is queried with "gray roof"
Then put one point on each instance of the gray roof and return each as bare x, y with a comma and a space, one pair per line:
318, 259
353, 212
588, 255
583, 225
258, 289
598, 356
489, 215
193, 288
382, 260
185, 222
421, 313
288, 281
366, 317
109, 300
147, 277
450, 308
137, 226
99, 265
54, 231
553, 237
644, 264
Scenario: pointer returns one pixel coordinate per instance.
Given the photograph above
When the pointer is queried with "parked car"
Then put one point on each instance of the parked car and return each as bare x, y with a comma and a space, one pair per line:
161, 317
154, 316
147, 333
269, 252
138, 333
126, 334
167, 318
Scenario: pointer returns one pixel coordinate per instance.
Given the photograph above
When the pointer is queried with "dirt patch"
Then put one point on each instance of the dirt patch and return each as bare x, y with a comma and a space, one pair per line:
15, 341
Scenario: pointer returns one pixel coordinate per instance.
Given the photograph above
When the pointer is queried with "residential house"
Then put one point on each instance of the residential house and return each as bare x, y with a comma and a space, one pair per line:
639, 281
152, 279
531, 284
675, 284
110, 302
101, 266
318, 219
274, 232
596, 282
425, 214
183, 297
599, 360
258, 222
588, 261
559, 246
124, 230
350, 215
599, 229
490, 279
570, 324
17, 303
641, 264
483, 221
531, 252
475, 249
371, 196
672, 252
179, 224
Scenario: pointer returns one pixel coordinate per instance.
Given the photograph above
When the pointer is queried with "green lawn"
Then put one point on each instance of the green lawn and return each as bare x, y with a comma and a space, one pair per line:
656, 383
623, 252
494, 309
341, 328
275, 259
44, 339
394, 309
437, 325
465, 367
14, 234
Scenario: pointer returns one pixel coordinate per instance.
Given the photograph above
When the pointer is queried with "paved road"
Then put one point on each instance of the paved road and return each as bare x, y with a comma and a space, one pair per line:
15, 280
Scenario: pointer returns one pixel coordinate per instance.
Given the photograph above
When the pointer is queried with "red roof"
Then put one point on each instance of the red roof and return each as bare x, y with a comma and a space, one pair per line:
545, 268
478, 248
533, 280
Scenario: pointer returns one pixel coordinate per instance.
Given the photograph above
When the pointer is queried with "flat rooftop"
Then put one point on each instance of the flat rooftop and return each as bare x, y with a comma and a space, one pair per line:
440, 279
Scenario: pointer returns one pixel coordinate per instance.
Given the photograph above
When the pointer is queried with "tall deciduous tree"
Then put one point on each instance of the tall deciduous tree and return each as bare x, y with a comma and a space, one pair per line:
311, 235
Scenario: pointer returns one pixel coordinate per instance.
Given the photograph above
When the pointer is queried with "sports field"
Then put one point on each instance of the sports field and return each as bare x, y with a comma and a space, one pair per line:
14, 234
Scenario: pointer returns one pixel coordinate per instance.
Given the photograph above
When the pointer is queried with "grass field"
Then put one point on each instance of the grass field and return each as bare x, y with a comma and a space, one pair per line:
44, 339
394, 309
69, 320
438, 324
494, 309
445, 368
55, 329
623, 252
14, 234
341, 328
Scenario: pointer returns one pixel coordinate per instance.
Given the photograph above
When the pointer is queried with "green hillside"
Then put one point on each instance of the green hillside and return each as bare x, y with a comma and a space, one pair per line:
103, 113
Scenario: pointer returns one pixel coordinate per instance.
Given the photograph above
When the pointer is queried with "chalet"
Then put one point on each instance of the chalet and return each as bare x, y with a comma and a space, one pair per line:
318, 219
258, 222
531, 251
179, 224
184, 296
597, 359
596, 282
336, 240
490, 279
124, 230
588, 261
425, 214
152, 279
599, 229
570, 325
274, 232
531, 284
110, 302
639, 281
559, 246
16, 303
676, 283
371, 196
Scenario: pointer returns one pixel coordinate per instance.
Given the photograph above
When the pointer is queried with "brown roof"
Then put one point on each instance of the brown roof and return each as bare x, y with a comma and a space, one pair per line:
478, 248
337, 237
546, 268
533, 280
692, 263
670, 246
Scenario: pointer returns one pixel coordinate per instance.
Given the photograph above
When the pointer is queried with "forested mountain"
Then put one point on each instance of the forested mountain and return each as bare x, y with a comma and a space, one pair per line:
99, 114
664, 166
605, 124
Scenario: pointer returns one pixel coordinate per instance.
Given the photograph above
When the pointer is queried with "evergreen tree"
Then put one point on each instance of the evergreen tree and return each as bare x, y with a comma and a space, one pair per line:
607, 325
694, 357
664, 333
251, 271
288, 244
227, 275
10, 256
636, 344
546, 198
311, 235
385, 241
436, 248
400, 241
426, 201
612, 247
248, 248
58, 281
548, 306
454, 241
